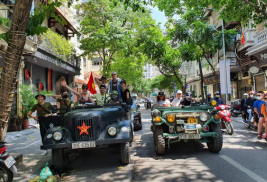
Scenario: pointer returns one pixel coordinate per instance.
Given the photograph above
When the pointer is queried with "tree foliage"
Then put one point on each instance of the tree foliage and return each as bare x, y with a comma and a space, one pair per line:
162, 82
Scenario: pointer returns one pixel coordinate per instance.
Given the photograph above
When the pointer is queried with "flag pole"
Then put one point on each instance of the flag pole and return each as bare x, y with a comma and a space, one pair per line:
225, 72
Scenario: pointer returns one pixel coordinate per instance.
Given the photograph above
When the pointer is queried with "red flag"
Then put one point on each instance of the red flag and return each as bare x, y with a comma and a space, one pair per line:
242, 39
91, 84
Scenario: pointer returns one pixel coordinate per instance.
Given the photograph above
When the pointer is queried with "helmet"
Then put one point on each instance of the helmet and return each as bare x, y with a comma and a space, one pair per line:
251, 92
114, 92
188, 94
209, 94
245, 94
217, 93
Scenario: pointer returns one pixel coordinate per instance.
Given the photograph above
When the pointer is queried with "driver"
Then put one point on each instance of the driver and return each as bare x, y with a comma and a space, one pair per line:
187, 100
64, 103
217, 98
114, 97
102, 97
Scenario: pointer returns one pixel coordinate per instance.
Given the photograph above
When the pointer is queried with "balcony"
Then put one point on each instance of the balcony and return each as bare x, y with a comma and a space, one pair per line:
260, 43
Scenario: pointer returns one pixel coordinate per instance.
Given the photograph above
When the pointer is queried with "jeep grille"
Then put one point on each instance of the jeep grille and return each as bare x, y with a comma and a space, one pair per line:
84, 136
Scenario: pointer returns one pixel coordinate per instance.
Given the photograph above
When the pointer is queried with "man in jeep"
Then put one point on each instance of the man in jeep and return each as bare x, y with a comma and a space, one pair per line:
114, 97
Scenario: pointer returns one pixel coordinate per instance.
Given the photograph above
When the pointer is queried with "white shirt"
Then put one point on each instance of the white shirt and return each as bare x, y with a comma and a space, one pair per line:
161, 103
176, 102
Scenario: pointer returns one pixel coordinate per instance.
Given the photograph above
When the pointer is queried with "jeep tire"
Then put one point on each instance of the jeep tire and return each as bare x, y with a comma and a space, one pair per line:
159, 141
60, 160
125, 156
215, 144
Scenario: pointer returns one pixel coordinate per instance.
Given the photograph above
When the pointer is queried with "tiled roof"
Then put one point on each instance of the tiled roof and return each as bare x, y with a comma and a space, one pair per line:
95, 74
77, 80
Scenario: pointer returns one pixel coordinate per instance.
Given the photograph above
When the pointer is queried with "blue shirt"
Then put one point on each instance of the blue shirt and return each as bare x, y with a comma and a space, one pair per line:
258, 104
219, 101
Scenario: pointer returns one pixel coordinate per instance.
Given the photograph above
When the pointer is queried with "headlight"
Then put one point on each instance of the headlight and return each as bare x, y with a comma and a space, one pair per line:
203, 117
57, 135
171, 118
112, 131
217, 117
157, 119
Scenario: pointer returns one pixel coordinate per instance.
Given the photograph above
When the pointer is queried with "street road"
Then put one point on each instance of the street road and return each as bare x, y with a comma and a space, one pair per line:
243, 158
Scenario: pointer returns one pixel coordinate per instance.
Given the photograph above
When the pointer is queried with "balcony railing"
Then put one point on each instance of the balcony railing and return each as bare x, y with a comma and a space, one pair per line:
45, 44
261, 37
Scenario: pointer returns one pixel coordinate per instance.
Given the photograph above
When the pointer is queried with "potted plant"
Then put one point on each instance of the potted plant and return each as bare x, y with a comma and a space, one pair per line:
28, 101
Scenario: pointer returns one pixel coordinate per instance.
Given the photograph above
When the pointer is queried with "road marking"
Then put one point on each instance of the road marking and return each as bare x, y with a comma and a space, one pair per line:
28, 145
241, 168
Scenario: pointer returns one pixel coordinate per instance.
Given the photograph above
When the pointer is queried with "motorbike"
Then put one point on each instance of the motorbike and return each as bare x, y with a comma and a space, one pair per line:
147, 105
236, 110
7, 164
225, 115
253, 123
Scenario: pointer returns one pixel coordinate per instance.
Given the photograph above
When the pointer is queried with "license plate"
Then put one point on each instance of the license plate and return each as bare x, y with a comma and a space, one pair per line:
81, 145
10, 161
189, 136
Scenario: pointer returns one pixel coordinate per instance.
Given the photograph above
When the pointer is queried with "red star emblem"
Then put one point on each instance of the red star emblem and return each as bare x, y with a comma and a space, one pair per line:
83, 129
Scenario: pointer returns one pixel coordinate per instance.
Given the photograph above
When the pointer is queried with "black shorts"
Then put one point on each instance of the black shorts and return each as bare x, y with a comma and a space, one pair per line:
261, 115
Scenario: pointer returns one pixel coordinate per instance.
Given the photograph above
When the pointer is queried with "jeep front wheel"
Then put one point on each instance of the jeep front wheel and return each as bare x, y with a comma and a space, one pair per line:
159, 141
125, 157
215, 144
60, 160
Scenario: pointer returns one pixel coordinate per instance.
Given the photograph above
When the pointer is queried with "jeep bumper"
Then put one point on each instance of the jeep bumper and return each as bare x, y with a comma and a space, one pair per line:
176, 135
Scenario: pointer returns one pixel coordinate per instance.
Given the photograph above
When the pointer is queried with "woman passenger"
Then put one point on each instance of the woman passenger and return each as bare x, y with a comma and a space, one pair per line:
125, 93
161, 100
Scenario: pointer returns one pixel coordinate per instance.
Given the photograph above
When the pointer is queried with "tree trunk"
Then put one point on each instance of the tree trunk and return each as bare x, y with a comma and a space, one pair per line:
202, 80
12, 61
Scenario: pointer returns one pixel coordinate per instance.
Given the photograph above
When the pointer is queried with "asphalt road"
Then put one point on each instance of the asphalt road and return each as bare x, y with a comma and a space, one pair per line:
243, 158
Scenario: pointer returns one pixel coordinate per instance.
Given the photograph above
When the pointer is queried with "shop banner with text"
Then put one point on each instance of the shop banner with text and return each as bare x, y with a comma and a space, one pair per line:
225, 77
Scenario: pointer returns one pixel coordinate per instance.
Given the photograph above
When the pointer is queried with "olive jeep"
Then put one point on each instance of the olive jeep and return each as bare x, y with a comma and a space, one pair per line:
88, 127
175, 124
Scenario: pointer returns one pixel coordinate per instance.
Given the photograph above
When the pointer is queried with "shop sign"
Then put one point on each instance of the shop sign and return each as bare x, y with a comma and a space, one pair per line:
254, 69
211, 80
263, 56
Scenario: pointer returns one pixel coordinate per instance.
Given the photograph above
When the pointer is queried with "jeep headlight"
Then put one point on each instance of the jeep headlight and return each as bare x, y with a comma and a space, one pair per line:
112, 131
155, 113
57, 135
171, 118
203, 117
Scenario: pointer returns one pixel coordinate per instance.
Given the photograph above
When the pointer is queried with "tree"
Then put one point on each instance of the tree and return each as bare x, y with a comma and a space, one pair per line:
22, 25
105, 29
196, 39
237, 10
162, 82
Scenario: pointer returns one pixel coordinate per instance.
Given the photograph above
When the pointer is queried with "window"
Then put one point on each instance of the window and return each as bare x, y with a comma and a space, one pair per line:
97, 62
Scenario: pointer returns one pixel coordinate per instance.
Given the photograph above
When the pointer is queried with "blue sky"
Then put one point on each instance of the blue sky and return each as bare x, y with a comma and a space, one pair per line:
158, 16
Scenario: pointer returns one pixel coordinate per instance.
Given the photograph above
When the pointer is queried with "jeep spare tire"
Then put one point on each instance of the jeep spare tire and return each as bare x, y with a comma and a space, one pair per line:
125, 156
159, 141
215, 144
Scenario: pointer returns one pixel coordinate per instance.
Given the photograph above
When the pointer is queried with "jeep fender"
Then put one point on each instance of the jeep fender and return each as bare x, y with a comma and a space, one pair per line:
48, 137
124, 130
212, 120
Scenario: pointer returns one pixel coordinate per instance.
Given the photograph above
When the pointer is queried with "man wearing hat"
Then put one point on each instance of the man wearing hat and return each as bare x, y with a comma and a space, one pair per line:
187, 101
103, 81
43, 108
64, 103
179, 97
114, 84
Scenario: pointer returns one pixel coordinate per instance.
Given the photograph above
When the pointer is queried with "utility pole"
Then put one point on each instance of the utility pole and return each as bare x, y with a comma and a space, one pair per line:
226, 95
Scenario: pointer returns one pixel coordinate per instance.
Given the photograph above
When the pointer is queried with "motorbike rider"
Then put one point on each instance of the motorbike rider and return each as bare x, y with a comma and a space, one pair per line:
217, 98
264, 113
257, 108
249, 103
187, 100
244, 107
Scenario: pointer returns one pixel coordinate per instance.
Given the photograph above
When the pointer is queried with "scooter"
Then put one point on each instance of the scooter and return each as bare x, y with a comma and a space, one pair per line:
225, 115
147, 105
7, 164
235, 110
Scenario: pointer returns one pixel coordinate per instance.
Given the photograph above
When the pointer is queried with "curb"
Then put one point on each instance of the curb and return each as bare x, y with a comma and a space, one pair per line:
18, 157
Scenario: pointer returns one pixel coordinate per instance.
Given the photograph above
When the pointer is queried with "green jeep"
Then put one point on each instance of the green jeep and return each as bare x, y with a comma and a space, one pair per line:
175, 124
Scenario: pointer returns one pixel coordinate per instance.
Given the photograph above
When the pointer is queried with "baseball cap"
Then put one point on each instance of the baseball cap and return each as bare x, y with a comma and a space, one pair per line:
161, 94
179, 92
113, 72
123, 81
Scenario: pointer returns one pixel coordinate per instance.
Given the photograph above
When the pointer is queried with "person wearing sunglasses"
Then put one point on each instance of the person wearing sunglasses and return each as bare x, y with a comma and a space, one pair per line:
179, 96
102, 97
161, 100
257, 108
114, 84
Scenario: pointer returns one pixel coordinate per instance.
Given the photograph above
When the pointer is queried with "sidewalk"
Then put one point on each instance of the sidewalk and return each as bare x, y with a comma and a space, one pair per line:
25, 147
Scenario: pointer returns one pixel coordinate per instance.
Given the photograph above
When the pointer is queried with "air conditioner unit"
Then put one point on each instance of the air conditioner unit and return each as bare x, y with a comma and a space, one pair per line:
238, 37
